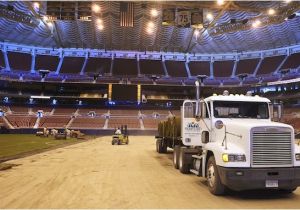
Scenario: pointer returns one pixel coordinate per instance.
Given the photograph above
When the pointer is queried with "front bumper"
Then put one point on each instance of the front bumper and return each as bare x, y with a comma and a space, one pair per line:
255, 178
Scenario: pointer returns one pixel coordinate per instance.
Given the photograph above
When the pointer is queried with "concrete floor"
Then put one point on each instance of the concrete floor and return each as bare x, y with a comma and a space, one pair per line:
95, 174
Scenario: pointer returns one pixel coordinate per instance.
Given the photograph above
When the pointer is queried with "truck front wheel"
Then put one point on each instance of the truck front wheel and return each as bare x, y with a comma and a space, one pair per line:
215, 185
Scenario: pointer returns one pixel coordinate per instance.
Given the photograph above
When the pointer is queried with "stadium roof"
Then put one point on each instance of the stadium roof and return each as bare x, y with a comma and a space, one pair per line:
232, 28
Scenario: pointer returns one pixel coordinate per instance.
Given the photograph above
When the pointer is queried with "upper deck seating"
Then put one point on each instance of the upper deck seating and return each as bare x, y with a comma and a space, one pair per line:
176, 68
19, 61
223, 68
293, 61
125, 67
98, 65
246, 66
2, 61
72, 65
46, 62
270, 64
199, 68
151, 67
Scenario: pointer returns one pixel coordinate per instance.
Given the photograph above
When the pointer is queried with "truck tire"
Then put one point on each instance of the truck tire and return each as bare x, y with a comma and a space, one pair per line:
176, 152
214, 183
159, 145
185, 159
164, 146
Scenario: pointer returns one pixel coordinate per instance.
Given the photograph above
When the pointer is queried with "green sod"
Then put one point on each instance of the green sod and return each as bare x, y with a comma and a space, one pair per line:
16, 144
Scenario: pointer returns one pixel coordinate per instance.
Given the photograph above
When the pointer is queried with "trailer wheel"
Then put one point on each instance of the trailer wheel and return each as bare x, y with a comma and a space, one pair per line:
164, 146
215, 185
176, 152
159, 145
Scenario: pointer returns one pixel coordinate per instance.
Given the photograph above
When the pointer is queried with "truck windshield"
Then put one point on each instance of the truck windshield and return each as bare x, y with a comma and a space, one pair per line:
241, 109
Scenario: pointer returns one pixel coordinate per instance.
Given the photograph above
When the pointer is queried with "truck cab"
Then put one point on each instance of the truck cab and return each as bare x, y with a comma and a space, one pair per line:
231, 140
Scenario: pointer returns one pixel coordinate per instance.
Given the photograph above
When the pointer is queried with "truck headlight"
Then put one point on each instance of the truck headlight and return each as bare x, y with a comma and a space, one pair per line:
297, 156
233, 157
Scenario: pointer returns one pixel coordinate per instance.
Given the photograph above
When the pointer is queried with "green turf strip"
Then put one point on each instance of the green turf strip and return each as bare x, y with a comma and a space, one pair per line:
15, 144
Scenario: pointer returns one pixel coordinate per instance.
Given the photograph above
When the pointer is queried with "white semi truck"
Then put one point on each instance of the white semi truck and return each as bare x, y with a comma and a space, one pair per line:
232, 142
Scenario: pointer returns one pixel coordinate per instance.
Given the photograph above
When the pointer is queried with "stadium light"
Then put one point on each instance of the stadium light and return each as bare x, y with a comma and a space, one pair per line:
256, 23
100, 27
271, 11
36, 5
209, 17
150, 24
40, 97
149, 30
99, 21
96, 8
154, 12
50, 24
220, 2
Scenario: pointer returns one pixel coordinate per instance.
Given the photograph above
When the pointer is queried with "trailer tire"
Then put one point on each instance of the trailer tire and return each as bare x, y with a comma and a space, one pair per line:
176, 152
164, 146
159, 146
214, 183
185, 159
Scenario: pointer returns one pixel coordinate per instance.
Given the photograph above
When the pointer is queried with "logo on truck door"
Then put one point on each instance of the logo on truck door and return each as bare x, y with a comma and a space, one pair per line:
192, 127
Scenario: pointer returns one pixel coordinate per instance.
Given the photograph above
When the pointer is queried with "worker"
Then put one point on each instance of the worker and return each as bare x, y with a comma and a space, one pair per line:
118, 131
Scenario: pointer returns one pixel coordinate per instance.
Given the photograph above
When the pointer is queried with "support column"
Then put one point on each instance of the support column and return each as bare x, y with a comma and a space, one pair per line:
280, 65
164, 66
211, 68
187, 68
112, 64
138, 65
61, 56
234, 68
258, 65
7, 66
33, 54
84, 64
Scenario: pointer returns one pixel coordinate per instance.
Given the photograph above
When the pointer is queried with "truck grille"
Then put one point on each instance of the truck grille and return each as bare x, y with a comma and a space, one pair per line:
271, 149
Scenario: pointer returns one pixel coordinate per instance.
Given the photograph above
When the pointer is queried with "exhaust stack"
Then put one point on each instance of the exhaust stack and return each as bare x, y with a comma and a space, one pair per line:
198, 82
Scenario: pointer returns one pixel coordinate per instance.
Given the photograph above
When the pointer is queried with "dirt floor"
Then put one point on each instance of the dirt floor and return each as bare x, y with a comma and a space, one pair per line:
95, 174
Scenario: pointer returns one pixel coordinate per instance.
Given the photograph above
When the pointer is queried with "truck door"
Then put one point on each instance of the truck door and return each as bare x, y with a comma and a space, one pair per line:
205, 123
192, 126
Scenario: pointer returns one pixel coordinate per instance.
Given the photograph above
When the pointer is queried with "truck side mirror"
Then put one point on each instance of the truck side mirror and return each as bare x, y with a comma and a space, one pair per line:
205, 137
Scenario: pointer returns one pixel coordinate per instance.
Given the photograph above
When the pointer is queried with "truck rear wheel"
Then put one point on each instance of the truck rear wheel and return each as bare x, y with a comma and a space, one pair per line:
215, 185
185, 159
164, 146
176, 152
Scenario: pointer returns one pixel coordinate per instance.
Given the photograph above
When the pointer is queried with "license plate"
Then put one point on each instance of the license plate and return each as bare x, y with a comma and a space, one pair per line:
271, 183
